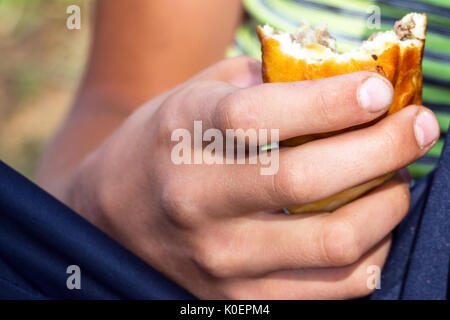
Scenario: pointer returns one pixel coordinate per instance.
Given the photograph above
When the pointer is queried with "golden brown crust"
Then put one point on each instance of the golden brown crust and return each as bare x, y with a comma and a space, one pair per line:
402, 67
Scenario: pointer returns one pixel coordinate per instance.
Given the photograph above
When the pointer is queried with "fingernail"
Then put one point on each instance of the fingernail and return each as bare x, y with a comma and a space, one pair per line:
375, 94
426, 129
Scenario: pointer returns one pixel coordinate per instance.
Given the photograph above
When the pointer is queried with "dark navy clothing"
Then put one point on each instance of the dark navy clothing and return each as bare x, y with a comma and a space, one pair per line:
418, 263
40, 237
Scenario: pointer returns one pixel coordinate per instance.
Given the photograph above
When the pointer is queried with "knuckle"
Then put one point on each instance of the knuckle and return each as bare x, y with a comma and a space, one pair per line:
340, 243
285, 184
180, 207
212, 257
291, 183
229, 112
235, 111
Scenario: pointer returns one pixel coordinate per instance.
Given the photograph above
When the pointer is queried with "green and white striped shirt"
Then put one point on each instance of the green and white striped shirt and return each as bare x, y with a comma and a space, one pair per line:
347, 21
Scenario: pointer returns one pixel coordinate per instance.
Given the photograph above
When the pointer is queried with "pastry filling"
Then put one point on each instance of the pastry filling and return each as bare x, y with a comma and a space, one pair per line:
317, 45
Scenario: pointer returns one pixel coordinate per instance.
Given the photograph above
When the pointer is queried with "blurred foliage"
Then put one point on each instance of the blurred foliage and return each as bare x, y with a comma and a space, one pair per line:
41, 63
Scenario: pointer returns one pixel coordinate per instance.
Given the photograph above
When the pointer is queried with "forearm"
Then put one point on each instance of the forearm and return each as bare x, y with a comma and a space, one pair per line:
138, 51
86, 127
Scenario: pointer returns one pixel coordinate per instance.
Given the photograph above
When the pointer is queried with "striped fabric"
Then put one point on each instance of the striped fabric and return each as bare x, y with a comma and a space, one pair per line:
347, 22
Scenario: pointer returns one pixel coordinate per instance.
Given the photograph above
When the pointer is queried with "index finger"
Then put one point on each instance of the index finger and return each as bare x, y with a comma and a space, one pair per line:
306, 107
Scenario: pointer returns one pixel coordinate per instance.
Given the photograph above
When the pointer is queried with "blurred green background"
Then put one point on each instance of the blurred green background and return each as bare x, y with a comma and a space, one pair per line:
41, 64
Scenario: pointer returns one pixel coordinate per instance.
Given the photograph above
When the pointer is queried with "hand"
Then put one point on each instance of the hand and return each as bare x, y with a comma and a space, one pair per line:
216, 229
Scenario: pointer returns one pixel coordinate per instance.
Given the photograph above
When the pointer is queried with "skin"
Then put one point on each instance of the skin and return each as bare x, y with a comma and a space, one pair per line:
216, 229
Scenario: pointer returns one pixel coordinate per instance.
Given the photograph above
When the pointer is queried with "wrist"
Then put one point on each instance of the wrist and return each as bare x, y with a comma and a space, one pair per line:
82, 193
